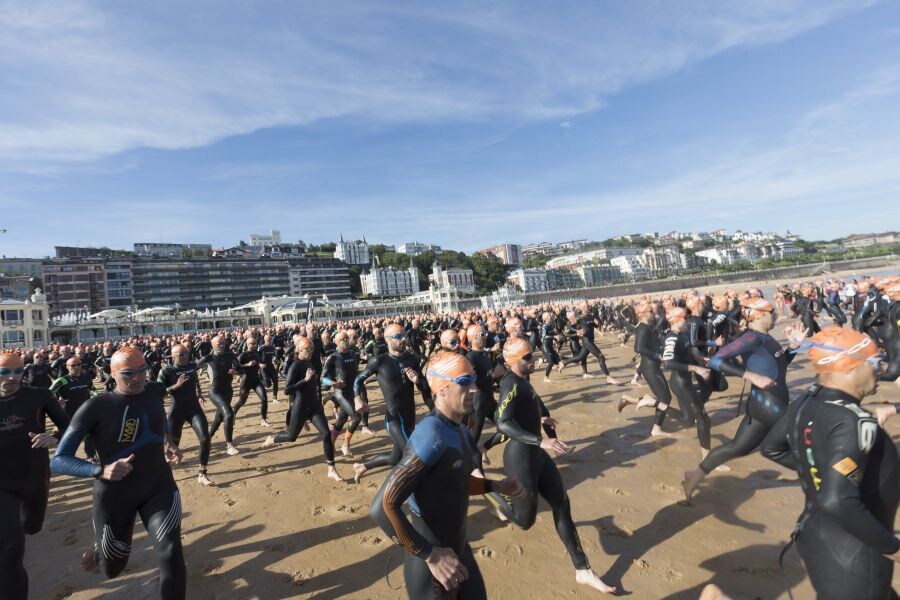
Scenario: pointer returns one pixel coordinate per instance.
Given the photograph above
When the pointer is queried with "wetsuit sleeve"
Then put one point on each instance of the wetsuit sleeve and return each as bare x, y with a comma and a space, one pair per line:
328, 374
506, 422
59, 417
668, 356
847, 450
742, 345
58, 384
293, 379
64, 461
776, 445
401, 482
161, 378
359, 384
696, 342
424, 389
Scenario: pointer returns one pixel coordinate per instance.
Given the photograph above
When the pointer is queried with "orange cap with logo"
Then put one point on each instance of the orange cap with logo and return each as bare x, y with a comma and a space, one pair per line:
840, 349
515, 349
756, 308
444, 367
126, 358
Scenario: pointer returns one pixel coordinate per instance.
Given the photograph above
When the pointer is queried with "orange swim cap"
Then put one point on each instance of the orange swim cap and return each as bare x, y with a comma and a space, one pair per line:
514, 323
178, 349
840, 349
675, 315
514, 349
127, 357
474, 331
756, 308
447, 335
893, 291
695, 305
444, 367
720, 303
11, 360
392, 330
340, 335
643, 308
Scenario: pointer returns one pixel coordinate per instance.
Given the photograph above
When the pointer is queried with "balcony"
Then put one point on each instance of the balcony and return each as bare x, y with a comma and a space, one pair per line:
12, 322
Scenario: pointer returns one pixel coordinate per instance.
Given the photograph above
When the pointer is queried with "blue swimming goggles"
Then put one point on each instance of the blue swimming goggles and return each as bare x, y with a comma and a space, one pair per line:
6, 372
463, 380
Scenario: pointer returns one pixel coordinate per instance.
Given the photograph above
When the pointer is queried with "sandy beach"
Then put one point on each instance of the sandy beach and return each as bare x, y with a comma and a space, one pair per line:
275, 527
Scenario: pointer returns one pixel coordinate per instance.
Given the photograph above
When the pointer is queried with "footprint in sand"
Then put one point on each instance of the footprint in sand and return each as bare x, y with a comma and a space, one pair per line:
316, 511
618, 492
486, 553
372, 541
672, 575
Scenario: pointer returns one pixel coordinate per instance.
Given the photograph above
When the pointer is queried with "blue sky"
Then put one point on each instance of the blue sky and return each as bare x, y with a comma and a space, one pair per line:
462, 124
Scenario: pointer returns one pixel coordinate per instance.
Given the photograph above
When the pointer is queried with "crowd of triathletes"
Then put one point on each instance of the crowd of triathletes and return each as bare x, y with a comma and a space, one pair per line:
685, 348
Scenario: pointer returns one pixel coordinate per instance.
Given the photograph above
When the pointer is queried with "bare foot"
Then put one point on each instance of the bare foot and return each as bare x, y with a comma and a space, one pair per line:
345, 450
589, 578
658, 432
333, 474
713, 592
231, 450
368, 431
264, 423
276, 400
269, 442
691, 480
644, 402
612, 380
89, 560
202, 479
587, 376
547, 380
623, 402
560, 368
306, 427
723, 469
359, 470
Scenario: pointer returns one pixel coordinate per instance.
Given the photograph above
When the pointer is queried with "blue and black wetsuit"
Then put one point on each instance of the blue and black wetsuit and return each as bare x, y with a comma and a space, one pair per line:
849, 472
24, 480
121, 425
400, 408
761, 354
433, 478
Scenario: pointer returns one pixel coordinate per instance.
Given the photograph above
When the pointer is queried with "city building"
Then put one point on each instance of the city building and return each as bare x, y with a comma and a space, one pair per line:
865, 240
539, 249
20, 266
563, 279
76, 285
590, 256
150, 249
207, 283
661, 261
571, 245
720, 256
786, 248
24, 323
416, 248
319, 277
261, 239
388, 281
509, 254
530, 280
18, 287
119, 289
461, 279
352, 253
79, 252
630, 267
597, 275
502, 297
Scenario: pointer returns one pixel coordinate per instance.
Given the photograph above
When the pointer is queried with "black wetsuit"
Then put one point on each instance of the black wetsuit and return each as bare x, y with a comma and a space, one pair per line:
24, 480
252, 381
400, 408
305, 406
676, 358
849, 472
185, 407
696, 333
38, 375
120, 426
762, 354
343, 367
154, 360
519, 418
803, 308
72, 392
484, 405
433, 478
268, 354
548, 336
219, 367
646, 343
586, 324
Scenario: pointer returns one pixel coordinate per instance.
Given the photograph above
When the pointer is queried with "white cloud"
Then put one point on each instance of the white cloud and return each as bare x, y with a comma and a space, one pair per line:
85, 80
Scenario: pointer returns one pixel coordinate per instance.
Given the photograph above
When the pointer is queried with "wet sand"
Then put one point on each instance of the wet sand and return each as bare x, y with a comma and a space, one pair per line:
275, 527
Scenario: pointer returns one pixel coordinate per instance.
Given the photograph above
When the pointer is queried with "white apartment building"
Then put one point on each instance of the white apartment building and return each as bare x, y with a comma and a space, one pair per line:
416, 248
24, 323
462, 279
388, 281
259, 239
530, 280
352, 253
630, 266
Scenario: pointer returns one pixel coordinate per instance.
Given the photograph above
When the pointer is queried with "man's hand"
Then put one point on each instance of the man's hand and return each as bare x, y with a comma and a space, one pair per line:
173, 454
894, 557
446, 568
796, 334
760, 381
116, 471
549, 422
557, 446
509, 487
42, 440
883, 413
411, 374
360, 405
310, 374
182, 379
338, 385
